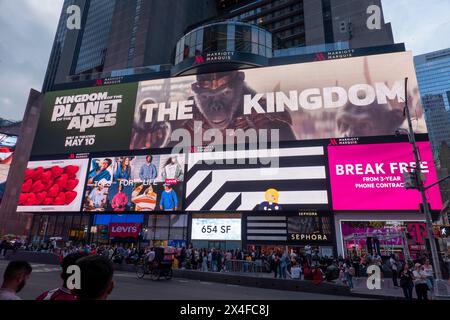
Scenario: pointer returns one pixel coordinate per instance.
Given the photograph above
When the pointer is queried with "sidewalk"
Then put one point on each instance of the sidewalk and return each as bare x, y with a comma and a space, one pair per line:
387, 288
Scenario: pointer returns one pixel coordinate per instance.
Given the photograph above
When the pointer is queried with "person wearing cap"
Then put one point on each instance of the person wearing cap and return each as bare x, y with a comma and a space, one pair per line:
420, 282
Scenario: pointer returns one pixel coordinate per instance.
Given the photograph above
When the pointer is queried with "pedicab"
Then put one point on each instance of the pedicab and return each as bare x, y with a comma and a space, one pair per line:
161, 266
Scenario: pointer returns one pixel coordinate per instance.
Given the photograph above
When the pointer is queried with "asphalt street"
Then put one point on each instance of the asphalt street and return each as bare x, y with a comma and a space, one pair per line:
128, 287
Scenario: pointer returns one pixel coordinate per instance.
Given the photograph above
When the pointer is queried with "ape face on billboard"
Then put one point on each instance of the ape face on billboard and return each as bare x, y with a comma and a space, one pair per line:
135, 183
355, 97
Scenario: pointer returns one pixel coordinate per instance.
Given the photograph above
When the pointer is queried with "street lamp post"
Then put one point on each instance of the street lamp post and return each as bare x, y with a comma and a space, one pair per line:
422, 189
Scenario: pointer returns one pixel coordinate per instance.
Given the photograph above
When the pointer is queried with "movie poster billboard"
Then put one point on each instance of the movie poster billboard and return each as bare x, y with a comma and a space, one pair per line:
370, 176
7, 147
355, 97
86, 120
53, 186
135, 183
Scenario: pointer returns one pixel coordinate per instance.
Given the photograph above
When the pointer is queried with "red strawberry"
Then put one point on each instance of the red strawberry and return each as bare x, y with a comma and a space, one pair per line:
49, 184
60, 199
31, 200
46, 176
28, 174
71, 170
38, 186
47, 201
71, 184
62, 181
53, 191
56, 171
26, 187
22, 199
37, 173
72, 176
70, 196
40, 197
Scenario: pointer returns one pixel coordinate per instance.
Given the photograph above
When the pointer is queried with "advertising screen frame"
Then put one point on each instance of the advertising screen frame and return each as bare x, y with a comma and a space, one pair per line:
155, 103
422, 140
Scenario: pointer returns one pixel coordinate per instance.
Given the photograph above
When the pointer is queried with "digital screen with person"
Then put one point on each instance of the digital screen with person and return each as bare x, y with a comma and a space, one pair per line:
101, 171
147, 182
97, 198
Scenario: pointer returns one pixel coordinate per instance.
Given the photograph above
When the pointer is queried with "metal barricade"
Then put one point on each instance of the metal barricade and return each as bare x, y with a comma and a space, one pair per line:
244, 266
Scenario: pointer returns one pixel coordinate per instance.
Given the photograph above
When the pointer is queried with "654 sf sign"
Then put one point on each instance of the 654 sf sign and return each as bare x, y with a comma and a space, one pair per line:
216, 229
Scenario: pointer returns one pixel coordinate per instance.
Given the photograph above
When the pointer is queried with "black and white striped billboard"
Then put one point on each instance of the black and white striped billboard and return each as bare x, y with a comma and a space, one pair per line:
241, 180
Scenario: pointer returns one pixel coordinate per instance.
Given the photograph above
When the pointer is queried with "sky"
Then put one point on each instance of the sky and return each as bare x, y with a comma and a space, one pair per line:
27, 30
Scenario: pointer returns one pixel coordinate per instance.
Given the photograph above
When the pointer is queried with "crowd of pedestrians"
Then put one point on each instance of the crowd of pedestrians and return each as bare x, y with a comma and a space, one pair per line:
306, 264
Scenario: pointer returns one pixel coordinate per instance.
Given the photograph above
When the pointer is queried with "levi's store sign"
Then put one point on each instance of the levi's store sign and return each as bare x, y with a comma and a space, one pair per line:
124, 230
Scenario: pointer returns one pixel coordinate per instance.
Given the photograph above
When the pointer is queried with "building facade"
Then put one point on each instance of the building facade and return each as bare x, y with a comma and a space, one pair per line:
123, 35
434, 84
214, 50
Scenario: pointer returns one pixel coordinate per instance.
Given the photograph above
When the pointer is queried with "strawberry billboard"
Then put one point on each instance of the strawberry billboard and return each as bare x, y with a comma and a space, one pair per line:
53, 186
124, 230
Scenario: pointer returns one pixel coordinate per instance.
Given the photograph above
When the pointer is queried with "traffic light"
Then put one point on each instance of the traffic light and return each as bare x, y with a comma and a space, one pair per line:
410, 180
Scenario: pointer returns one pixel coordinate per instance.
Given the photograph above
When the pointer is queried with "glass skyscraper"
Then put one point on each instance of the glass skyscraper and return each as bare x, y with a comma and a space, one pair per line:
95, 38
433, 74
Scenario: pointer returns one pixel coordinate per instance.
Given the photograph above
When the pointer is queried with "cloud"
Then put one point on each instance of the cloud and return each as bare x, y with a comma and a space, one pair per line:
423, 26
27, 30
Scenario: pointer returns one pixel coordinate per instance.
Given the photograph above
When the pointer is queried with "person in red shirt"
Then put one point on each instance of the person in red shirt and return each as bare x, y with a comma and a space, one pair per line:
317, 275
63, 293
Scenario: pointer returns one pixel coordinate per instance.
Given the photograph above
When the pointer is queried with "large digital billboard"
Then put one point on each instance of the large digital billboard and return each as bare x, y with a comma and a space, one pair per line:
357, 97
273, 179
7, 147
152, 182
53, 186
86, 120
370, 176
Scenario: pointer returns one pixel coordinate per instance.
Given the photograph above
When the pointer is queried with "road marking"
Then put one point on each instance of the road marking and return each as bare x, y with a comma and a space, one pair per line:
125, 275
183, 281
47, 270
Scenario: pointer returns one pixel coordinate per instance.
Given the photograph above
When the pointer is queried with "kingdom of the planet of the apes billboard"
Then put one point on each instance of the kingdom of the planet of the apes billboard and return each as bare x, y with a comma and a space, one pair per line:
355, 97
86, 120
361, 96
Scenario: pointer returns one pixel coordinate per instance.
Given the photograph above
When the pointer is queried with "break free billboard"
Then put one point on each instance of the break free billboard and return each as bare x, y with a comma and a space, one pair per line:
369, 176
